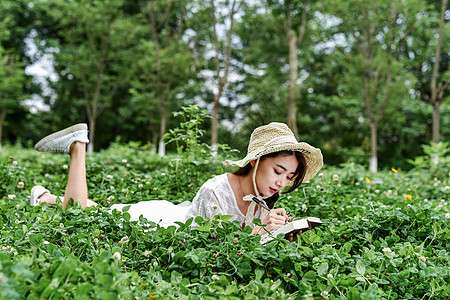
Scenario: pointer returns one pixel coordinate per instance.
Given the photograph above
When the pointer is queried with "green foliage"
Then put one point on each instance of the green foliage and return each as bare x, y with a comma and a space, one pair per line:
385, 236
435, 162
191, 151
187, 136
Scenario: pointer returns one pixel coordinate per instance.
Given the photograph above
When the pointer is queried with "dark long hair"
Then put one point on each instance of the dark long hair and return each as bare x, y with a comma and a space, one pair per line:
298, 176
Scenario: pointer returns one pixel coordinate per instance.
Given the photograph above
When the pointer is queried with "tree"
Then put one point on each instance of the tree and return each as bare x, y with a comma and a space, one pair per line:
94, 51
222, 56
276, 41
12, 70
375, 30
165, 63
438, 88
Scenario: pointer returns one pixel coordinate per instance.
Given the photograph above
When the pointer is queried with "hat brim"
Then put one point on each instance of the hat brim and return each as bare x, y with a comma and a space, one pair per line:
313, 157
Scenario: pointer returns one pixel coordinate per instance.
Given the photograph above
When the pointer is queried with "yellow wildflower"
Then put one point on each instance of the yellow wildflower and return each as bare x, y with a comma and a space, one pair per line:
435, 179
367, 180
408, 197
394, 170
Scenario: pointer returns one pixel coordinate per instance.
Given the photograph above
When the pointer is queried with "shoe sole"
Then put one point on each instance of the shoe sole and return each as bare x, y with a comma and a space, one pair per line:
58, 134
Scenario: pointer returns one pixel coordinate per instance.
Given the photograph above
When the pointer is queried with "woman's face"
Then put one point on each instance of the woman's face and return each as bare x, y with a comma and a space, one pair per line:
274, 173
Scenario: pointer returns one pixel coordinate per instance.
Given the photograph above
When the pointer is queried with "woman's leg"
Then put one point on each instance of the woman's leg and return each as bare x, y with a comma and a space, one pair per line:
71, 140
76, 188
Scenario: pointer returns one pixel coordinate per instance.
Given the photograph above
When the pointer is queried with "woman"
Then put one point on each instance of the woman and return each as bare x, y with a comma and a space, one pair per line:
274, 160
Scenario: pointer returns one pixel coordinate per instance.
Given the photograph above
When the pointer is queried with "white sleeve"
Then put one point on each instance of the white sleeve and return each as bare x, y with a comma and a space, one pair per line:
205, 204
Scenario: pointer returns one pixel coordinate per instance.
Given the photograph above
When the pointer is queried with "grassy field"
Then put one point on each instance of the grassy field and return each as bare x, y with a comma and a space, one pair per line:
386, 235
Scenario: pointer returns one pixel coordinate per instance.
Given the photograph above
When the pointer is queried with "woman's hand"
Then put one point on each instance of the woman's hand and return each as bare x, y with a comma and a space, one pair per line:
276, 218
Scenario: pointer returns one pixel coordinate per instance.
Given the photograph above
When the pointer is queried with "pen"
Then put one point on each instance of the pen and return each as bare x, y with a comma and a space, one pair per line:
260, 203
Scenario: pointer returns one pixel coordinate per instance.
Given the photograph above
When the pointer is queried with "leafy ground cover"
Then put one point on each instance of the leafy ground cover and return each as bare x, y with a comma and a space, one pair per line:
386, 235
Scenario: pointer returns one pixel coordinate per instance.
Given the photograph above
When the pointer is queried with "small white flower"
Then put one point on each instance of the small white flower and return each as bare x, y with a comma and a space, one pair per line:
65, 167
47, 175
447, 187
14, 163
140, 186
335, 177
96, 241
111, 198
109, 176
330, 275
46, 242
11, 197
147, 253
356, 183
318, 187
387, 250
124, 161
309, 297
124, 240
325, 294
447, 215
148, 176
423, 258
155, 264
409, 205
215, 277
91, 218
124, 190
389, 193
20, 185
425, 200
321, 175
117, 256
377, 191
128, 165
304, 207
61, 225
163, 174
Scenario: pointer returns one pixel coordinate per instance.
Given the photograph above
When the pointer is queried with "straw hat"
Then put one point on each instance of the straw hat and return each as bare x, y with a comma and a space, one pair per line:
275, 137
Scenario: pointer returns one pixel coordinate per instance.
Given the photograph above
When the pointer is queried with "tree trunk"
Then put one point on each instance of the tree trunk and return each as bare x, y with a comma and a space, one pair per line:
436, 122
435, 99
215, 126
90, 146
154, 141
373, 167
162, 128
2, 120
293, 73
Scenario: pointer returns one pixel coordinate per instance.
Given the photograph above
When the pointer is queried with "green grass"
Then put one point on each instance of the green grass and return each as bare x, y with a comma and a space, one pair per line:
386, 235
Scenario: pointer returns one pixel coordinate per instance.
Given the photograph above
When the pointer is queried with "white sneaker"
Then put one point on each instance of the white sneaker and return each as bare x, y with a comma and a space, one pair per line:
60, 141
36, 192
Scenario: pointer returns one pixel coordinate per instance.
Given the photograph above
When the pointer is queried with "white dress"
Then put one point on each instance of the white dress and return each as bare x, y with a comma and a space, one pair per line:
215, 197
